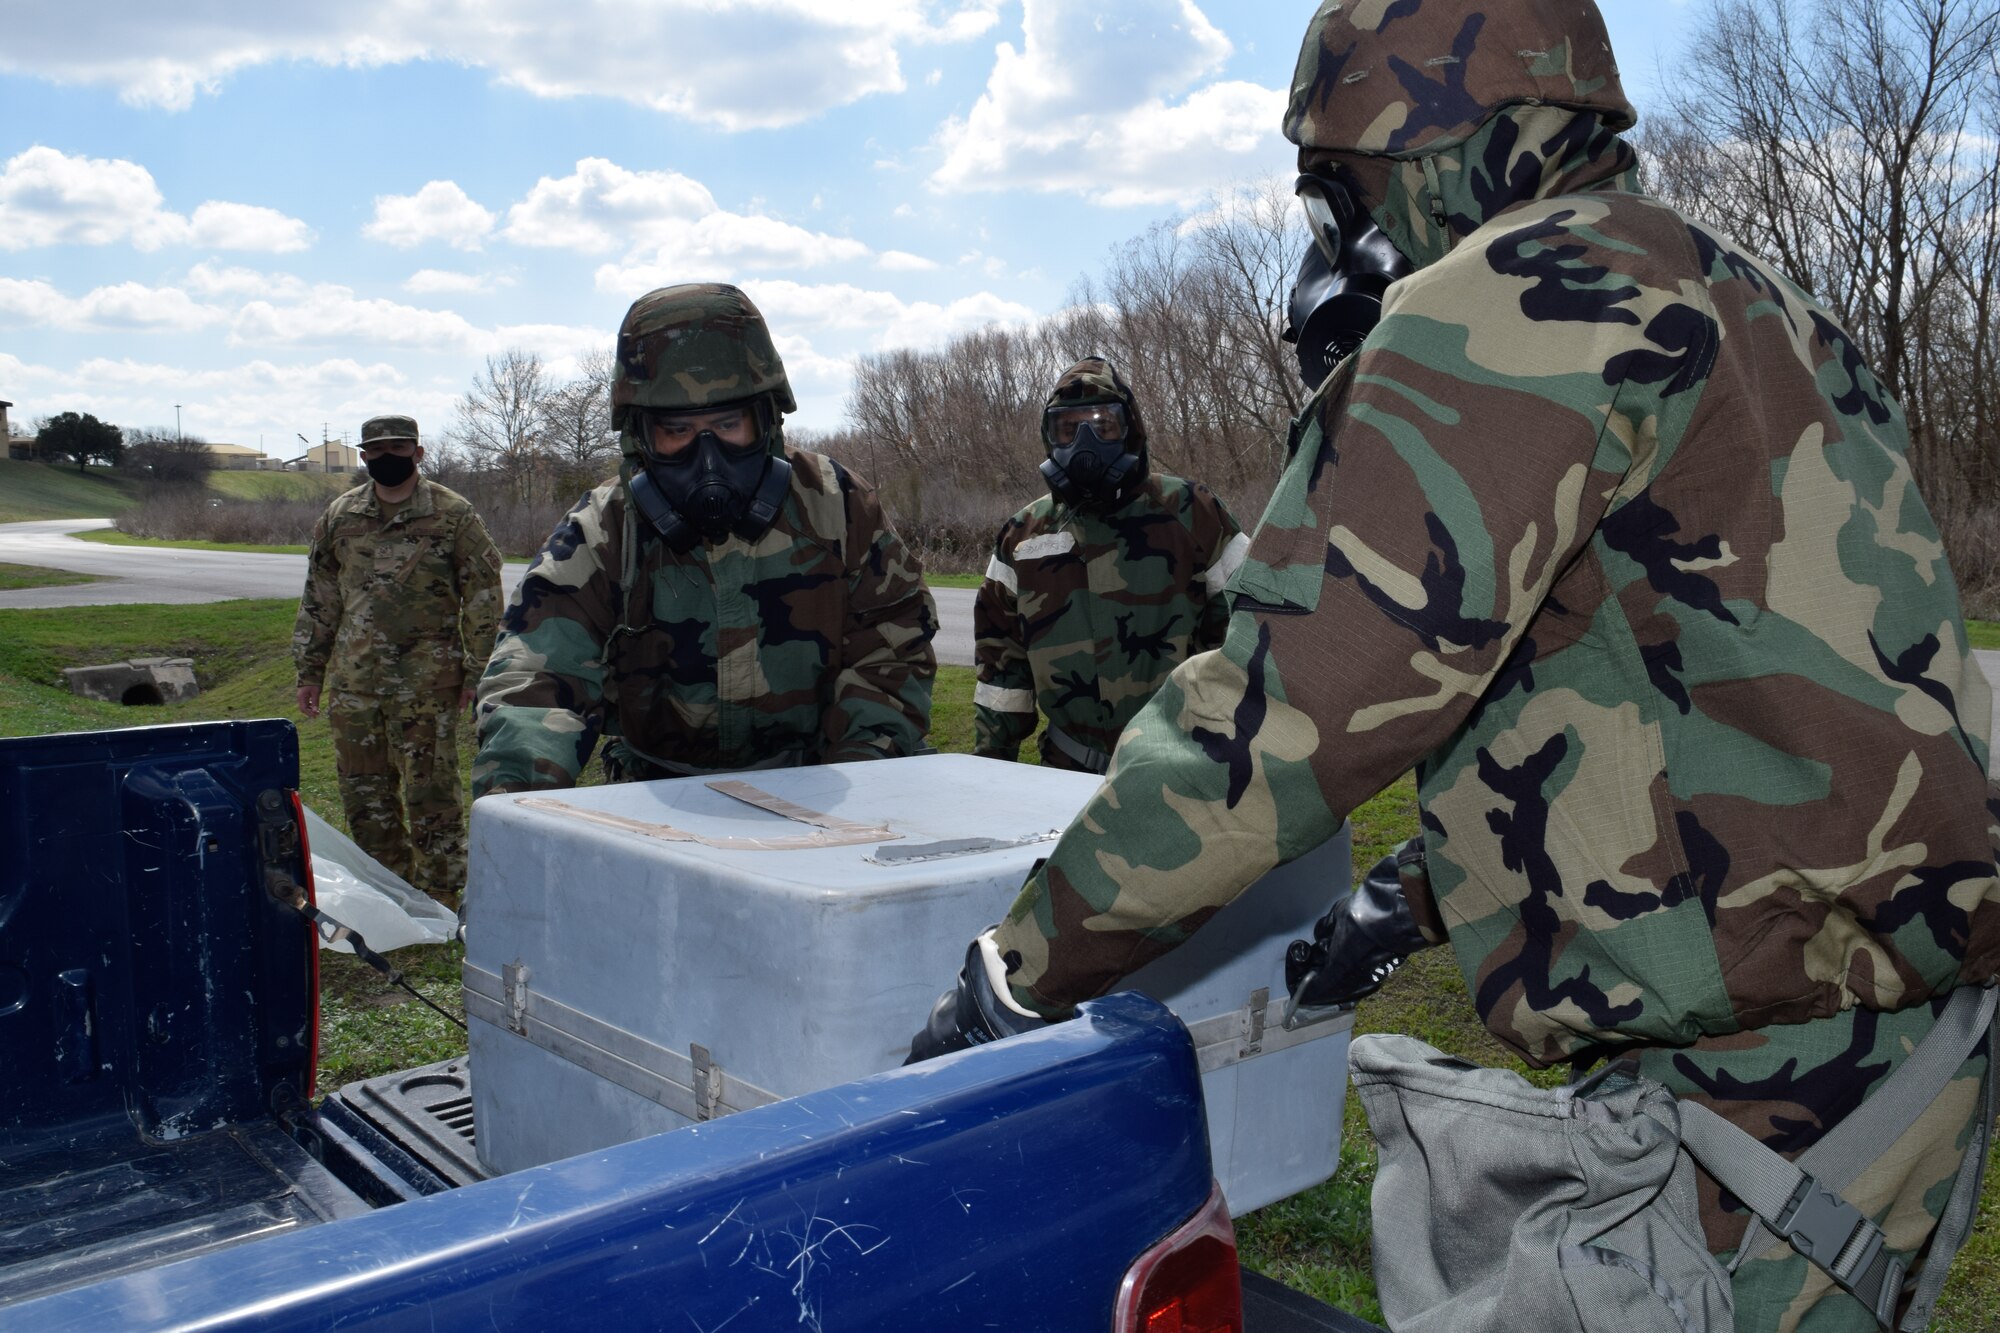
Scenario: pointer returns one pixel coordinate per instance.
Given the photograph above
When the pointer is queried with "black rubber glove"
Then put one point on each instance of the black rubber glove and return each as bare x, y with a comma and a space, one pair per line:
969, 1015
1360, 942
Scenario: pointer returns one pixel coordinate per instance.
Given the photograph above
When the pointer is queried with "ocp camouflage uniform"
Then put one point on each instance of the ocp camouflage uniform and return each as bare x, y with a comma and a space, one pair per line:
1083, 613
810, 644
1609, 529
398, 615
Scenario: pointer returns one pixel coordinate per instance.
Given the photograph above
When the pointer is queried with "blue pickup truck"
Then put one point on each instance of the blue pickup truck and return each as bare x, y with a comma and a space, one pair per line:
164, 1164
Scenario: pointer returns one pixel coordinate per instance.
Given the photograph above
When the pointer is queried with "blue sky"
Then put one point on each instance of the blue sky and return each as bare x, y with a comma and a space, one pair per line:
280, 220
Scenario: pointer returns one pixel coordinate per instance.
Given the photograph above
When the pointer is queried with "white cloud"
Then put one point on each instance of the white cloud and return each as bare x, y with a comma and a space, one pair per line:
441, 211
205, 279
737, 64
668, 224
902, 261
790, 307
427, 281
332, 315
602, 207
222, 226
1086, 106
123, 307
48, 197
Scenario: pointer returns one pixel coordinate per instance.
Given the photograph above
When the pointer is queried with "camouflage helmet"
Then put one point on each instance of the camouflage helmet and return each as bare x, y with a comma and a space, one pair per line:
697, 345
1416, 77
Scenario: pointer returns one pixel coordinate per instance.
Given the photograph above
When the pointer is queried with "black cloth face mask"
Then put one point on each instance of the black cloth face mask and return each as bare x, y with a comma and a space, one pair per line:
390, 470
710, 489
1338, 296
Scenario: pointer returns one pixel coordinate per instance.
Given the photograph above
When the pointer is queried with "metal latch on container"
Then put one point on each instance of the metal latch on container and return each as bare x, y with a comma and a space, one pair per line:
1260, 1000
707, 1081
514, 985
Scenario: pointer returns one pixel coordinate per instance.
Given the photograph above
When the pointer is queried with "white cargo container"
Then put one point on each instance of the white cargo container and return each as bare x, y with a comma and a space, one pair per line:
643, 956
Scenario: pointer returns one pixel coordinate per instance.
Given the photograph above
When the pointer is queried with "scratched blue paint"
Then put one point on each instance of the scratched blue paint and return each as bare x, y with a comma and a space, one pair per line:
1008, 1187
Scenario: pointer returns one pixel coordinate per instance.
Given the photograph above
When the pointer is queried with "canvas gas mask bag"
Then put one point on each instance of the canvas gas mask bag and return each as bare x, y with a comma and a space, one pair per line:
1505, 1207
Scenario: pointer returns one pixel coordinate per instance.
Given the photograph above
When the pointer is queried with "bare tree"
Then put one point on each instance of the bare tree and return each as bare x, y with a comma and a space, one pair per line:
1855, 146
576, 420
499, 425
1191, 311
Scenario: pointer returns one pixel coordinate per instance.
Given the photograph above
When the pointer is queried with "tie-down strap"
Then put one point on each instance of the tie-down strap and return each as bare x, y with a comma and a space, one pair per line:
695, 1087
1801, 1201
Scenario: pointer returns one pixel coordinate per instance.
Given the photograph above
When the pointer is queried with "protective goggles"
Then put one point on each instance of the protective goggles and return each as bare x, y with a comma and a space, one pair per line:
1106, 420
741, 428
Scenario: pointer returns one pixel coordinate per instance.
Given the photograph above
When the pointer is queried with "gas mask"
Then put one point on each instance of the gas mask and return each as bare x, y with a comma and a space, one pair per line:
708, 490
1338, 296
1091, 464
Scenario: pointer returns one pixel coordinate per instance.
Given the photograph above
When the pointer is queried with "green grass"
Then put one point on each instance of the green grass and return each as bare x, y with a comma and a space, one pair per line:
1983, 633
112, 537
280, 485
1317, 1241
953, 580
31, 576
57, 490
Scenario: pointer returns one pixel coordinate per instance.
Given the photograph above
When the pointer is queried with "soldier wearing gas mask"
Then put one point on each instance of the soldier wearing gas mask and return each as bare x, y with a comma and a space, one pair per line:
1096, 592
728, 602
1607, 529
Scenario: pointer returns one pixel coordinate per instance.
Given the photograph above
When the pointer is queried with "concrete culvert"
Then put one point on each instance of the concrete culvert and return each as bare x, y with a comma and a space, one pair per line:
141, 681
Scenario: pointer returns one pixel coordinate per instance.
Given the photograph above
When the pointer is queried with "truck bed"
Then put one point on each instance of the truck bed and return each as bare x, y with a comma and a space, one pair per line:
69, 1216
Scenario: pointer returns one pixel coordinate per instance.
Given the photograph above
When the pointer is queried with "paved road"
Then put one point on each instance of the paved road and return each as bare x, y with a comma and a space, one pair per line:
163, 574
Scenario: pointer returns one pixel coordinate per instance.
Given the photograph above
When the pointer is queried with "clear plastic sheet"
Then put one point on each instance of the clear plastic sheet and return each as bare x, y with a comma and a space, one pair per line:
362, 894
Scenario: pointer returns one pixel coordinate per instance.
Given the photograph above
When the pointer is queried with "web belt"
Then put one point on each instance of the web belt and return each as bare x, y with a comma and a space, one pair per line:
1093, 761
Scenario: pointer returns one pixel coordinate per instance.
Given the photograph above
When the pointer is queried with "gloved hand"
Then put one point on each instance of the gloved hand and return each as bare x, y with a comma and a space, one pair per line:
1356, 945
972, 1013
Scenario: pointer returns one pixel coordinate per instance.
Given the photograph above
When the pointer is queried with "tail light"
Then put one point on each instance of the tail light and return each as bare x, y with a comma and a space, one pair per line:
1188, 1283
312, 943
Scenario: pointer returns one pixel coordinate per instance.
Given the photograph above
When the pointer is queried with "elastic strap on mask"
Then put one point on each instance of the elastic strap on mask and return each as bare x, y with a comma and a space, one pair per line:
1436, 188
769, 499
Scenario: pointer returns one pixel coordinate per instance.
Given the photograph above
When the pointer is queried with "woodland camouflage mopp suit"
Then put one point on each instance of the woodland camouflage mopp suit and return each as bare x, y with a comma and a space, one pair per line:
1608, 529
808, 641
1087, 605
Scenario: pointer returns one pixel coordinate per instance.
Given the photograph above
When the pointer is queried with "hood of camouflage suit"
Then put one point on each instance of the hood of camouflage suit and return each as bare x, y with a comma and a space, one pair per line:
1095, 380
1459, 109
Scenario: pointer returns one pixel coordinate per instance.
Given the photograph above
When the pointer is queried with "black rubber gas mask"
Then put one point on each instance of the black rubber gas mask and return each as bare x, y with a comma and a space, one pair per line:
1092, 463
705, 490
1338, 296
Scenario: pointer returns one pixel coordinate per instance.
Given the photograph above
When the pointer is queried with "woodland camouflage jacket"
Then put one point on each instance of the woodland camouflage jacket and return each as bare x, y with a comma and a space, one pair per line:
813, 640
1083, 614
400, 604
1608, 529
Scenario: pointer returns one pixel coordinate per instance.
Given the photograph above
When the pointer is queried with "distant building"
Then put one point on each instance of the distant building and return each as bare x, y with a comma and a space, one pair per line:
332, 456
21, 448
236, 457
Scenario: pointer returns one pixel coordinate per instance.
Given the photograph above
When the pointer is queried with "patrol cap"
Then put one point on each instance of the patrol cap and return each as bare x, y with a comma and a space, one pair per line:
380, 430
1406, 79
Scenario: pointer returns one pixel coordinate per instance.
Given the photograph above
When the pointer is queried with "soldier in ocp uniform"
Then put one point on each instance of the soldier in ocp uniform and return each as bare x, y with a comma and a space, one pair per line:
1098, 590
728, 602
402, 596
1608, 529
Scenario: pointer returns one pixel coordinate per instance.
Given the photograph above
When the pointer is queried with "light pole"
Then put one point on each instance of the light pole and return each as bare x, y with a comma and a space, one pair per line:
309, 450
178, 437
